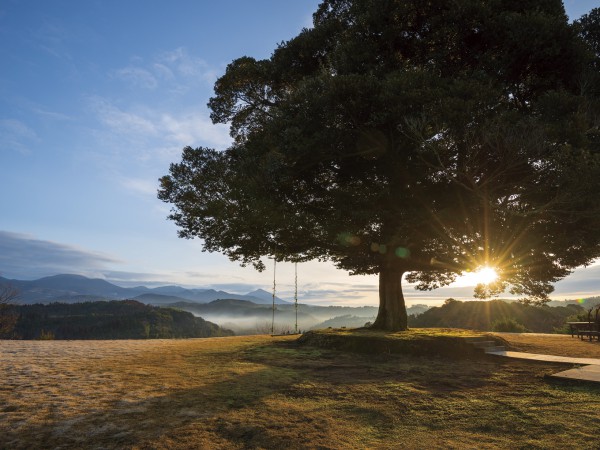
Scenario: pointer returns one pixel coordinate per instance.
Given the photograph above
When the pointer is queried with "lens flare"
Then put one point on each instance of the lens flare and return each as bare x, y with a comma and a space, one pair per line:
486, 275
402, 252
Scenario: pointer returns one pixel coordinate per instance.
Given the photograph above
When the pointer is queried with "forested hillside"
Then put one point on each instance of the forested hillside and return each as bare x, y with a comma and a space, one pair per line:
497, 315
126, 319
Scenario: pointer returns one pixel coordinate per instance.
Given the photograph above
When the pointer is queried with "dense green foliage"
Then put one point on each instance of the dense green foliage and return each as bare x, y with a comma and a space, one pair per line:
497, 315
508, 325
588, 27
399, 137
126, 319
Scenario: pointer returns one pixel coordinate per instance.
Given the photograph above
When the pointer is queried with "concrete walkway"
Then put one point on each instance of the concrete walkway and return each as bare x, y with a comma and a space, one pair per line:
585, 373
549, 358
589, 370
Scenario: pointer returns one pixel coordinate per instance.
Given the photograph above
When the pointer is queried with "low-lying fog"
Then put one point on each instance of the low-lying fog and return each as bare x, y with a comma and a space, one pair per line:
258, 319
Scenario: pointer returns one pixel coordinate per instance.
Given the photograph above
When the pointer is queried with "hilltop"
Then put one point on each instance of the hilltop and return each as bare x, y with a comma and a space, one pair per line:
269, 392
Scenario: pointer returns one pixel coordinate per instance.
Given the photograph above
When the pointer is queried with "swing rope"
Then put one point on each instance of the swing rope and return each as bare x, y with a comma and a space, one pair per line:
296, 294
274, 287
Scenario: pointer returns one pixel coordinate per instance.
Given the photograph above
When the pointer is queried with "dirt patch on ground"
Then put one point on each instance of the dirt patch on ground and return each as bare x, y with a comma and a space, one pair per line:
552, 344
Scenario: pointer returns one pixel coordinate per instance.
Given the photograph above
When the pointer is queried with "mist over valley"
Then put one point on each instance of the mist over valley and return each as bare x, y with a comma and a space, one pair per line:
250, 313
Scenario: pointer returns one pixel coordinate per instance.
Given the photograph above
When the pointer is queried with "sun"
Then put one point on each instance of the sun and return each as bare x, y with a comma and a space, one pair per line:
484, 275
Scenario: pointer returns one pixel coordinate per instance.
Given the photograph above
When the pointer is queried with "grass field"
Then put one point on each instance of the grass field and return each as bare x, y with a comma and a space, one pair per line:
552, 344
264, 392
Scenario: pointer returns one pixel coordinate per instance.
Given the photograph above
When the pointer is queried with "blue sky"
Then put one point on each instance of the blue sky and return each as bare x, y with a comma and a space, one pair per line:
97, 97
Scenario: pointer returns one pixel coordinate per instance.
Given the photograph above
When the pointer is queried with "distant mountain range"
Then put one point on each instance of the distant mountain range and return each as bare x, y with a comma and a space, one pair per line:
245, 314
77, 288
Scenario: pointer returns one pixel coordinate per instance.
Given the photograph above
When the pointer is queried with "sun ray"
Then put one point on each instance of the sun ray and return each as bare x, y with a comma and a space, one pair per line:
484, 275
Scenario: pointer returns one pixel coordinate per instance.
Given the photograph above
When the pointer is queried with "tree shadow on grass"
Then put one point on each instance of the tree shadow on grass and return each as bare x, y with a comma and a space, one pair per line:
128, 423
291, 397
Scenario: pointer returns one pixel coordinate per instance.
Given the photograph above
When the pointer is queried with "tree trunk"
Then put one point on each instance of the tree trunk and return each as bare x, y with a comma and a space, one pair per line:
392, 310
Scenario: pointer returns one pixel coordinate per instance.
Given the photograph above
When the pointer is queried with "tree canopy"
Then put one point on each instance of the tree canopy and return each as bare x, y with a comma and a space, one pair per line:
399, 137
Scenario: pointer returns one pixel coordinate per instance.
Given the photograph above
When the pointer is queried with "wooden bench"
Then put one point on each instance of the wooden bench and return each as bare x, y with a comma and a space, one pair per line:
576, 327
592, 329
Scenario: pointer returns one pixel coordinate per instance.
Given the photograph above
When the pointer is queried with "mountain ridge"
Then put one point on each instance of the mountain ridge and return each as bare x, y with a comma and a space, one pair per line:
67, 287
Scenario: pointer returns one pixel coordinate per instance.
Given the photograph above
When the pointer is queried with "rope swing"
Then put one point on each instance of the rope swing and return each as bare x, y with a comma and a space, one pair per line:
295, 296
274, 287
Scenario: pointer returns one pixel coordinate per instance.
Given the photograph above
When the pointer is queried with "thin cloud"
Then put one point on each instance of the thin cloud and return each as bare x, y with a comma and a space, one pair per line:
140, 186
329, 293
236, 288
134, 279
52, 115
194, 128
24, 256
52, 38
137, 77
583, 282
163, 71
120, 121
152, 130
16, 136
181, 62
175, 71
162, 129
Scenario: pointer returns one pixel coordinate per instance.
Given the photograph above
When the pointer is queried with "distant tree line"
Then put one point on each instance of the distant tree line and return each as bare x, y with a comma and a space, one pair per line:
8, 296
127, 319
498, 315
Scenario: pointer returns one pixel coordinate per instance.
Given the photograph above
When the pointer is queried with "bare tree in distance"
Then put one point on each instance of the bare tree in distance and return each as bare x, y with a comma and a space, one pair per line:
265, 328
8, 317
8, 294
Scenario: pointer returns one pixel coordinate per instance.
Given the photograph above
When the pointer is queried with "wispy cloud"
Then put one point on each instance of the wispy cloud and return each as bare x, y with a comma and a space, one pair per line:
236, 288
140, 185
51, 37
53, 115
24, 256
137, 76
138, 142
181, 62
583, 282
131, 279
120, 121
140, 132
194, 128
175, 71
16, 136
163, 71
153, 128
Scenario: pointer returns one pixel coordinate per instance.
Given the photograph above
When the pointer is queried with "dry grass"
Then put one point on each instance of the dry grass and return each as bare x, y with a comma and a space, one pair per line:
263, 392
552, 344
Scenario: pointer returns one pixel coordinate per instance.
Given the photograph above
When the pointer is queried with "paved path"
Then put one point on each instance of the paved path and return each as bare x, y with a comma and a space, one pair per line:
549, 358
585, 373
589, 370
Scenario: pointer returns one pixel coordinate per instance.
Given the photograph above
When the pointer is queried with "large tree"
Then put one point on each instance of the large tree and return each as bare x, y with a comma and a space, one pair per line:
399, 137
